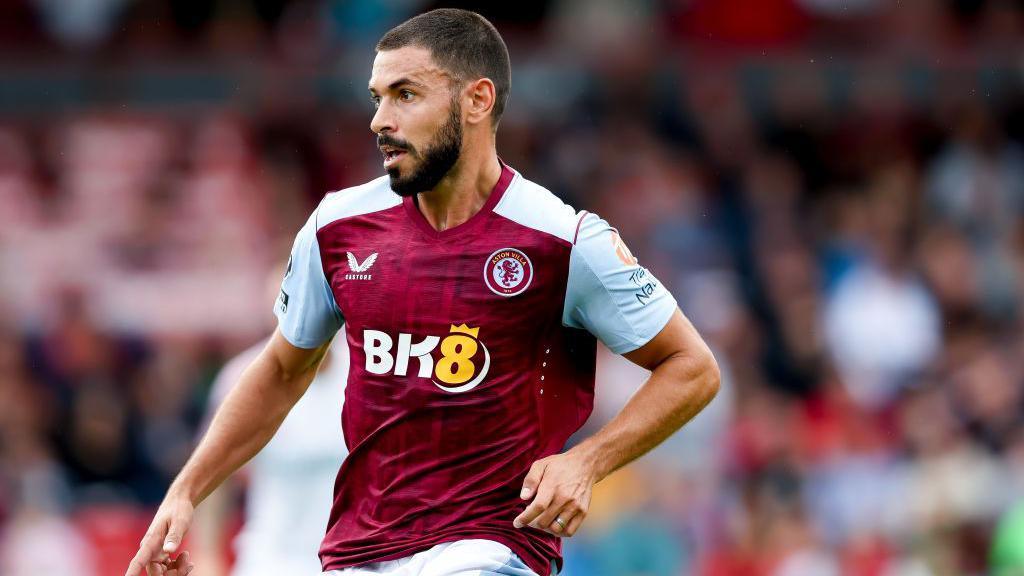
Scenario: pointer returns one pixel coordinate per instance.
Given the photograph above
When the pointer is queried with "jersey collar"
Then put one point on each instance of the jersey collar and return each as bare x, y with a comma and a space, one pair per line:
474, 222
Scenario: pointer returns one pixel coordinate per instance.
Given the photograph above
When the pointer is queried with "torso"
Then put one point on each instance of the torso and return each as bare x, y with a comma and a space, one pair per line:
462, 371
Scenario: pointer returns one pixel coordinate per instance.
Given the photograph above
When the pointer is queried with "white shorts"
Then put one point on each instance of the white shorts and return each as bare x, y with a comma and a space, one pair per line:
459, 558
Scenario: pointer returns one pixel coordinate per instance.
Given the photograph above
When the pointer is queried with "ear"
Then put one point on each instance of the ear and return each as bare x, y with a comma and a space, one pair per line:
480, 97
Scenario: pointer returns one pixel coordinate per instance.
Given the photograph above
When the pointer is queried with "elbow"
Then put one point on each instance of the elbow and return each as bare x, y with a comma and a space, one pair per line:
704, 375
697, 373
710, 378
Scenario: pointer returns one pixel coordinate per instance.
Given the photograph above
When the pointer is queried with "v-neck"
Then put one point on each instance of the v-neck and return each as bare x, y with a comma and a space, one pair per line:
474, 221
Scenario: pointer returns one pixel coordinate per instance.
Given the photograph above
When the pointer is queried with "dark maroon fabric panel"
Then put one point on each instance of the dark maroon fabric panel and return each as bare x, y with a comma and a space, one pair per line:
429, 464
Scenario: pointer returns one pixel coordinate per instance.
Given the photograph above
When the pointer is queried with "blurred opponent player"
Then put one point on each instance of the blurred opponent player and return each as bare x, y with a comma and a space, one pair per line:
287, 483
472, 298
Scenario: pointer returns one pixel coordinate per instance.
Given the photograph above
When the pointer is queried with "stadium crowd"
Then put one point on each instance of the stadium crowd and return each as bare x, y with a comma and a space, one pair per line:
833, 190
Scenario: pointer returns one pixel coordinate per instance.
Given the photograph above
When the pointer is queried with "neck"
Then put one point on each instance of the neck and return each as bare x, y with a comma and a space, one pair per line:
462, 192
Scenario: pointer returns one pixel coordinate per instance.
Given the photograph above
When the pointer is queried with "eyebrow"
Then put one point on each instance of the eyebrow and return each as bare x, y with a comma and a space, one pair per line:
398, 83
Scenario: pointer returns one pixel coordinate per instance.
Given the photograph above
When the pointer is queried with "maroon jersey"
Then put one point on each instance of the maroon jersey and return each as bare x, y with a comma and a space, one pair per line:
472, 356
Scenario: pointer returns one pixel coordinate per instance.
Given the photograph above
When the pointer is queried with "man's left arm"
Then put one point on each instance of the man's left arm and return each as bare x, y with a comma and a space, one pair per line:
620, 302
684, 379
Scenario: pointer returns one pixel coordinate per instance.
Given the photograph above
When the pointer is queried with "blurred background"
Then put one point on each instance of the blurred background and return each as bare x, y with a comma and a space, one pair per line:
833, 190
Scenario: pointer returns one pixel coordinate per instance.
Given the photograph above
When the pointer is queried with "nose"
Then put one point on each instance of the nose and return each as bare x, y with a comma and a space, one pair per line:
383, 119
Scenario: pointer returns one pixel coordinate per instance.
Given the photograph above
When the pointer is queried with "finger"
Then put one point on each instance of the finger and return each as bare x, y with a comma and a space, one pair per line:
176, 566
539, 504
559, 507
182, 562
574, 524
174, 535
566, 515
142, 557
135, 565
533, 478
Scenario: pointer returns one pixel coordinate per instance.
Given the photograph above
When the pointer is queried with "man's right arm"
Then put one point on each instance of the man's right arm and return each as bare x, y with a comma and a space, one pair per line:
242, 426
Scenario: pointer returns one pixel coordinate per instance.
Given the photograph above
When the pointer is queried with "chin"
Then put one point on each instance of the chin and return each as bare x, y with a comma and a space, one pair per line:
399, 185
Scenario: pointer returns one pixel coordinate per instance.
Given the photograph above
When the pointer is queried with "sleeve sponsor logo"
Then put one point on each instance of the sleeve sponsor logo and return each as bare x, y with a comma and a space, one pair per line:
622, 251
282, 301
645, 283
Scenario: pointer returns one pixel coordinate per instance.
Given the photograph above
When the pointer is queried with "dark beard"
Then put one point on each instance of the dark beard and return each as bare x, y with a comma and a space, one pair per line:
436, 161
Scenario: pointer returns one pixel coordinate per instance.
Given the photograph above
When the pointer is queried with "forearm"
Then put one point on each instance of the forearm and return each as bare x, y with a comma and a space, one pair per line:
679, 387
248, 418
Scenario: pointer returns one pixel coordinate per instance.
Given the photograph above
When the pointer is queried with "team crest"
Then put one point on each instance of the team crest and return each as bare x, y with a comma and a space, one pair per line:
508, 272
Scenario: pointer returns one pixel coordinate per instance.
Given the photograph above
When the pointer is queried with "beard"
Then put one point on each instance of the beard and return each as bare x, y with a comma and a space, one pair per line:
436, 160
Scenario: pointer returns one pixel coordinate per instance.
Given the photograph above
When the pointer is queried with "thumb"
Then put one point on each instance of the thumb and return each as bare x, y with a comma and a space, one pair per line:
532, 480
174, 536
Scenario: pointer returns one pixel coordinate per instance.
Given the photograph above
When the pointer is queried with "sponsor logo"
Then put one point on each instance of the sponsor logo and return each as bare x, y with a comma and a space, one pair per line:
508, 272
645, 283
622, 251
288, 268
282, 301
358, 269
463, 364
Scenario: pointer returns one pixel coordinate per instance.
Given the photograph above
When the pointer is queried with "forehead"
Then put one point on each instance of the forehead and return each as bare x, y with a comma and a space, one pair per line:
410, 63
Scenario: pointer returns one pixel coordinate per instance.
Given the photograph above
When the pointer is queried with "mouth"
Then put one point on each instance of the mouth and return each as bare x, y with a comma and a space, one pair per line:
392, 155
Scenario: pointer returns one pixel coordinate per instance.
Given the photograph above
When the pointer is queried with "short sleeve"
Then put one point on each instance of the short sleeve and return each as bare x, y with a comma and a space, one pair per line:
609, 294
306, 312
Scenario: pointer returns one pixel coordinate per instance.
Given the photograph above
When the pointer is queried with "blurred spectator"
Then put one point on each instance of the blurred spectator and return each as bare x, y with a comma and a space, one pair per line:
834, 191
881, 323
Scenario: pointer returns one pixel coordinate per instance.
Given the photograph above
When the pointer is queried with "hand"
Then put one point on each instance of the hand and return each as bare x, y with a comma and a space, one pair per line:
562, 484
180, 566
162, 539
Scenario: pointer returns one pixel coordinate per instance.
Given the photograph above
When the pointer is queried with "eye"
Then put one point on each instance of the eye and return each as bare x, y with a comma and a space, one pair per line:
405, 95
376, 101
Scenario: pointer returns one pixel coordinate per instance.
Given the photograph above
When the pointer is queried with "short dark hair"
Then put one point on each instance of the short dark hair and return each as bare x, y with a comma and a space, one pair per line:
463, 42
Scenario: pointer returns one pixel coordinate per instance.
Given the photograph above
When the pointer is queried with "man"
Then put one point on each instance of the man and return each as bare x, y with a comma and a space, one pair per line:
471, 298
287, 483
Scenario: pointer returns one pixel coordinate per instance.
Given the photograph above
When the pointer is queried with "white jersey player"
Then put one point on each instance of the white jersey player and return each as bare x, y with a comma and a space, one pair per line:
289, 483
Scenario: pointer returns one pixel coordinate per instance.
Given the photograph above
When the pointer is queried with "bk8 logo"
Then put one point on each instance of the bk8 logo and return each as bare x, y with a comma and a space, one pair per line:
457, 369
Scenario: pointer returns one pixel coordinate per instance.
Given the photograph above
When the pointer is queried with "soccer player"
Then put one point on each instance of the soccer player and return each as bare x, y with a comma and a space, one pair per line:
472, 298
287, 483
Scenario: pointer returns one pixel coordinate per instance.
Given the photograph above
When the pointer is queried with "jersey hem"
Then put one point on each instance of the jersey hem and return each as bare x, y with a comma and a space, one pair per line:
635, 345
527, 556
299, 342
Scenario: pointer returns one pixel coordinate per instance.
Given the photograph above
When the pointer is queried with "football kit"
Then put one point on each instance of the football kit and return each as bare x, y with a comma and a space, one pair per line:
472, 356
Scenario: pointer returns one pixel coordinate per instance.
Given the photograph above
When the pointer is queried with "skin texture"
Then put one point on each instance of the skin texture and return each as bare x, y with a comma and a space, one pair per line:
413, 96
414, 99
251, 413
684, 378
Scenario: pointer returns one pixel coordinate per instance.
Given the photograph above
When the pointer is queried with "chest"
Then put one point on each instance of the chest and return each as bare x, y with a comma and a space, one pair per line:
392, 277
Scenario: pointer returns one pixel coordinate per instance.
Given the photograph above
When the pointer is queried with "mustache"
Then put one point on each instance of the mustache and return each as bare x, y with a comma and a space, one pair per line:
386, 140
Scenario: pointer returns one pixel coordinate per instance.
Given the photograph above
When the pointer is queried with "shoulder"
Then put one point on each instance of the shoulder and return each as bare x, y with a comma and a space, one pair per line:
534, 206
373, 196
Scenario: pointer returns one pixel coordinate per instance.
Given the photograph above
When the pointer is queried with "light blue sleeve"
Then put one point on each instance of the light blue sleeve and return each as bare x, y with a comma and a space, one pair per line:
609, 294
306, 312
